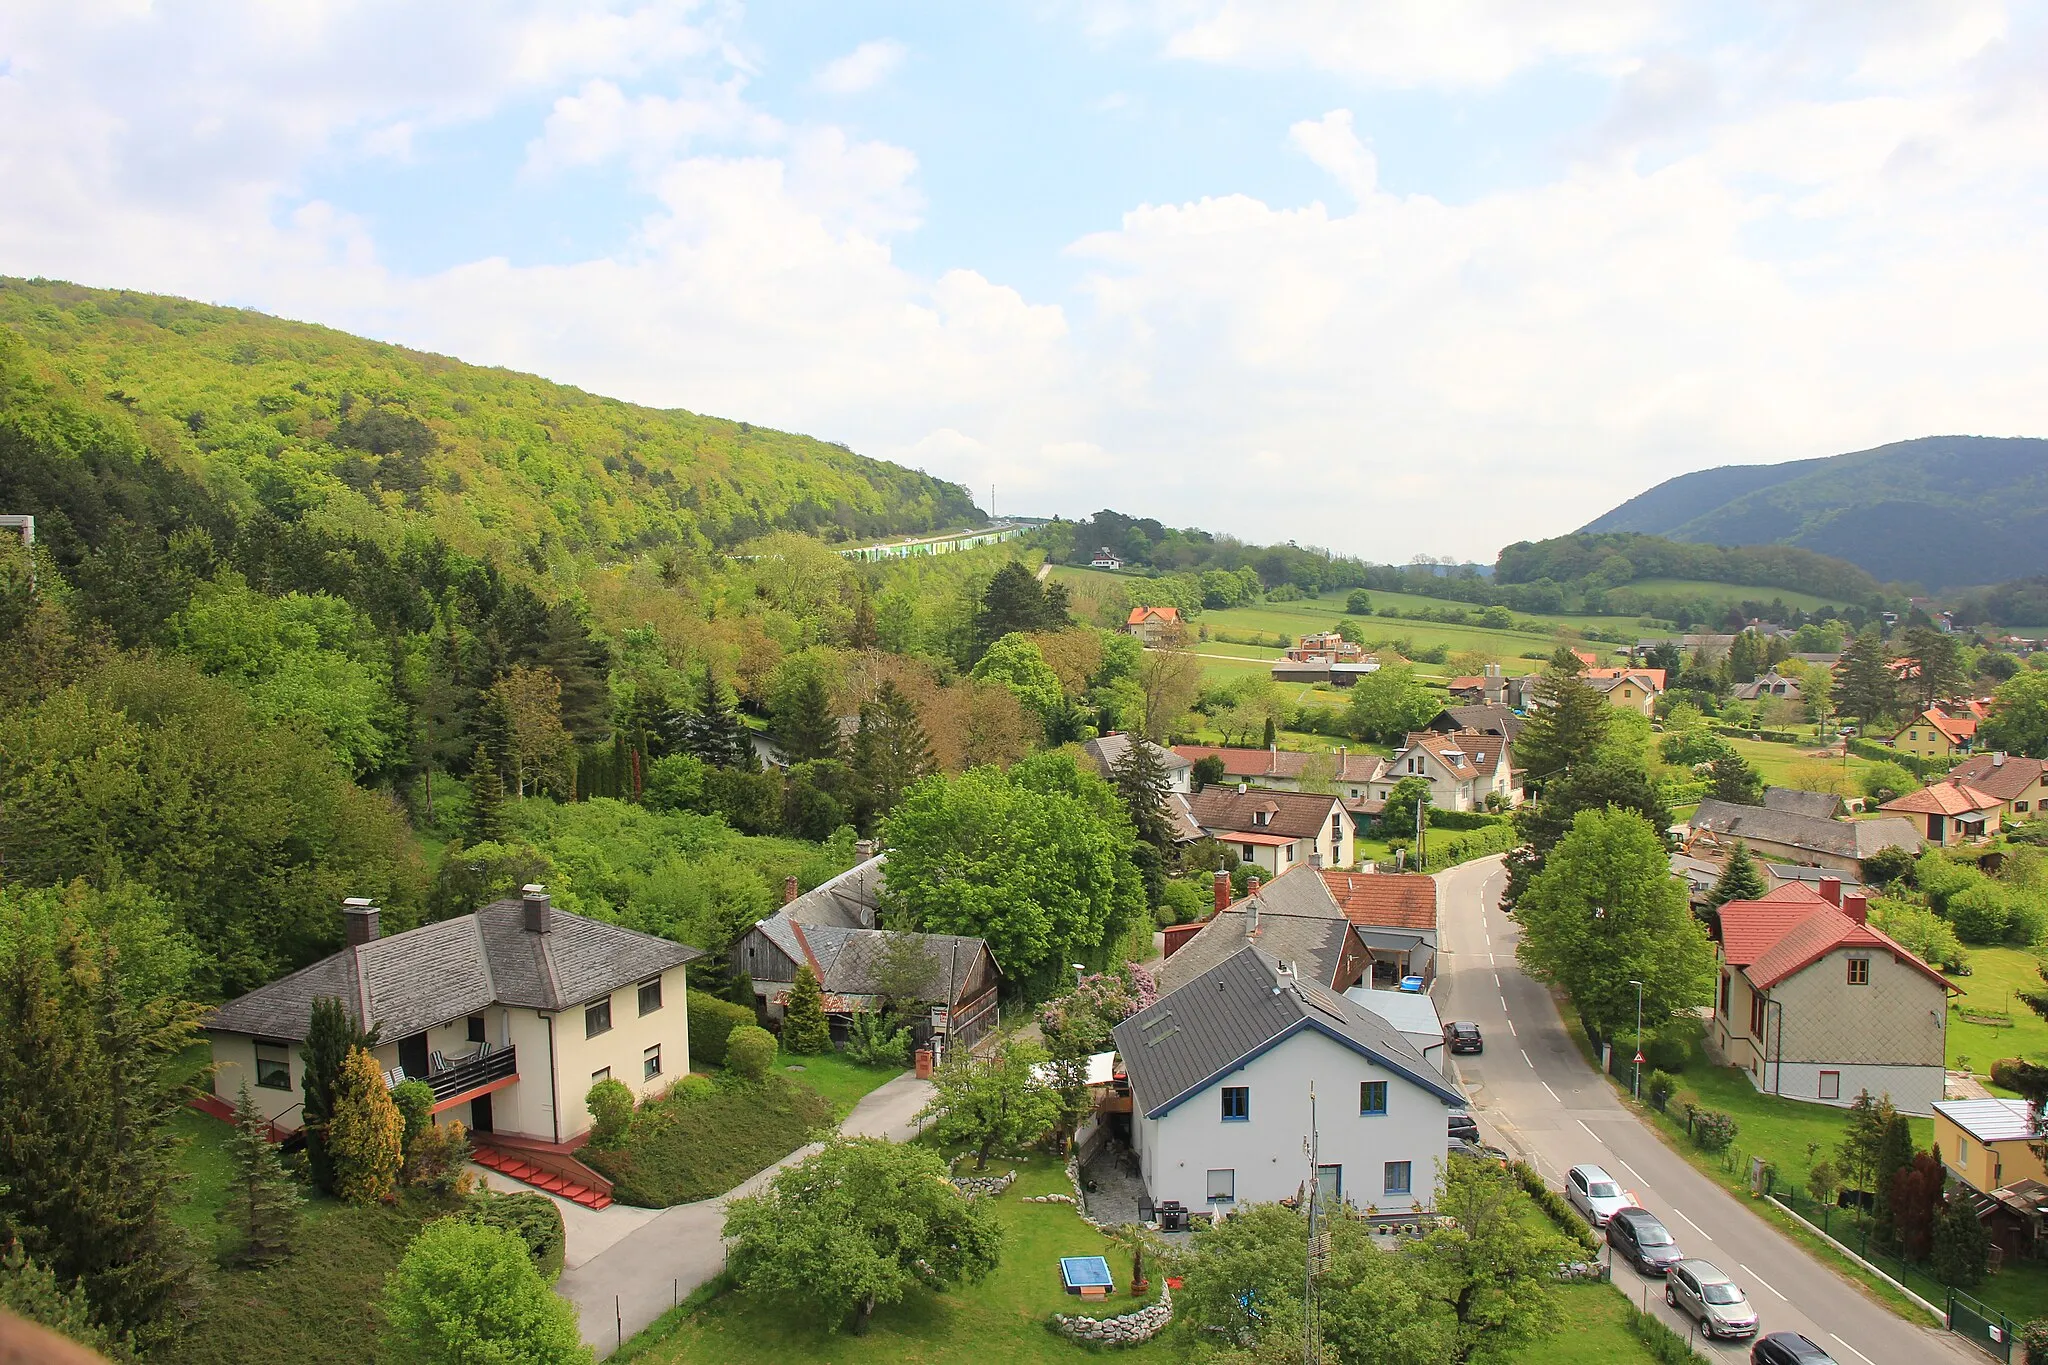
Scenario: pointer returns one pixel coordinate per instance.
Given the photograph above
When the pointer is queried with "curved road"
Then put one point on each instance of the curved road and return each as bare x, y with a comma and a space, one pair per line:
1534, 1091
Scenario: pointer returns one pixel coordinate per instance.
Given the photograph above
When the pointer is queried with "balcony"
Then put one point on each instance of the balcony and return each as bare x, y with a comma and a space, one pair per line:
467, 1077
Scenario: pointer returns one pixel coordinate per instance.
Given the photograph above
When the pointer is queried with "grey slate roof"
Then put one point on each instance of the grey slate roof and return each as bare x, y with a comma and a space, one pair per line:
1109, 750
1298, 921
837, 923
1841, 838
1820, 805
1239, 1008
1488, 718
410, 982
851, 899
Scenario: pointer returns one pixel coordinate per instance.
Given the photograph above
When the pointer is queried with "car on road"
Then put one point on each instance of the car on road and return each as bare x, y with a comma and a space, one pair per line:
1636, 1235
1463, 1038
1701, 1292
1595, 1193
1787, 1348
1463, 1125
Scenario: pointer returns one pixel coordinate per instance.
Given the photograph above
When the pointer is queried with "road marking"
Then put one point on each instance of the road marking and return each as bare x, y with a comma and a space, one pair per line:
1590, 1133
1694, 1226
1852, 1350
1760, 1280
1496, 980
1553, 1093
1511, 1030
1503, 1004
1630, 1169
1525, 1057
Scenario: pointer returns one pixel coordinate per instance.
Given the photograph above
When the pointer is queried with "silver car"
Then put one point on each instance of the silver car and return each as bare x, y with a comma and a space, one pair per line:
1596, 1194
1703, 1293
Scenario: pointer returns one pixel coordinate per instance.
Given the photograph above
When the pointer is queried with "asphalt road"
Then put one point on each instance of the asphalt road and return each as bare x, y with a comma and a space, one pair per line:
1535, 1095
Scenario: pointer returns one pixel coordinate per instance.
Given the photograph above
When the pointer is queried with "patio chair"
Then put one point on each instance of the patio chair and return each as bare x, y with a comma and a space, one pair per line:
436, 1063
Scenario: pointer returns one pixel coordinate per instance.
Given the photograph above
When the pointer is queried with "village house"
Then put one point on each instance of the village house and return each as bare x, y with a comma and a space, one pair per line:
1935, 733
1274, 830
1105, 559
1780, 831
2020, 784
1770, 686
1109, 750
1630, 689
1294, 917
1488, 718
835, 930
1989, 1144
1463, 769
1287, 769
1951, 810
1154, 625
509, 1014
1394, 916
1326, 647
1221, 1070
1814, 1004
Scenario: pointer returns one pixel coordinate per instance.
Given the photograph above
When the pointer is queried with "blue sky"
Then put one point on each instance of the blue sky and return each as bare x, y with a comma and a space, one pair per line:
1395, 278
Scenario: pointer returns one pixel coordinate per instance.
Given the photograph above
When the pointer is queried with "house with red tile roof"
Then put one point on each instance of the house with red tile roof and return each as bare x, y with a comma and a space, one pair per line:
1394, 916
1815, 1004
1934, 733
1462, 768
1952, 810
2020, 784
1154, 624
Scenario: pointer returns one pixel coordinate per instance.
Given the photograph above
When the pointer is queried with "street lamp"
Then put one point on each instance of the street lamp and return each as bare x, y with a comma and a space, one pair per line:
1639, 1039
1078, 969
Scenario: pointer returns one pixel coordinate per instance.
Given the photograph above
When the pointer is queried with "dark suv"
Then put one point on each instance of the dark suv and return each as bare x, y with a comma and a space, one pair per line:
1787, 1348
1463, 1038
1646, 1243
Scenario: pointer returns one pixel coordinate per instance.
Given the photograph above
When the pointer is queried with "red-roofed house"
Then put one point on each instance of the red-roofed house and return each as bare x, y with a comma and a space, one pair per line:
2021, 784
1153, 624
1462, 768
1394, 914
1814, 1004
1936, 734
1952, 809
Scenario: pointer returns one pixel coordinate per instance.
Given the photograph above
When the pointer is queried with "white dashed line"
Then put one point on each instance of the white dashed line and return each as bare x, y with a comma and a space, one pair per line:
1694, 1226
1511, 1030
1503, 1004
1553, 1093
1589, 1132
1632, 1171
1760, 1280
1852, 1350
1525, 1057
1496, 980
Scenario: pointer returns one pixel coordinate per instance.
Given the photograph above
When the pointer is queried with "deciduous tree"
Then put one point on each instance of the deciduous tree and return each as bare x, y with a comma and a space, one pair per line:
2019, 715
465, 1293
537, 744
993, 1101
1014, 662
1169, 678
1495, 1266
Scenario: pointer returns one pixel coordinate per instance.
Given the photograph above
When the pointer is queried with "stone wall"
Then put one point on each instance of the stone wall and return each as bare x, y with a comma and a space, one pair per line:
1128, 1330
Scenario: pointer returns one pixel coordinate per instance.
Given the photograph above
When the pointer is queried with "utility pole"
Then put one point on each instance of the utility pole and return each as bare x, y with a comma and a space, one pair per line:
1639, 1038
1318, 1242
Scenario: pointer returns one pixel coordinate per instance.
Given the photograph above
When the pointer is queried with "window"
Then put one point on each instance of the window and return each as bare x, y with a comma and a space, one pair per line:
1831, 1085
598, 1018
1859, 971
1372, 1097
1237, 1103
1329, 1184
2019, 807
603, 1073
1756, 1016
650, 1063
274, 1066
650, 996
1248, 854
1725, 989
1223, 1187
1962, 1148
476, 1028
1399, 1177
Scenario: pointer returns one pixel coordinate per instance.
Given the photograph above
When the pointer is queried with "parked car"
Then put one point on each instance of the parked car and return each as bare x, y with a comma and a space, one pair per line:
1462, 1038
1414, 985
1479, 1151
1711, 1299
1646, 1243
1595, 1193
1787, 1348
1463, 1126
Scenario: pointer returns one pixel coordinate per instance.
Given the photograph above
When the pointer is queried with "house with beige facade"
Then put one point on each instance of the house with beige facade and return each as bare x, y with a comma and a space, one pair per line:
1463, 768
509, 1014
1275, 831
1936, 734
2020, 784
1951, 810
1814, 1004
1989, 1144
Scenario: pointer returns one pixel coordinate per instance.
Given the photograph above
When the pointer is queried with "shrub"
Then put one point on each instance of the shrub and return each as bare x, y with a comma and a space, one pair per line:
1660, 1087
611, 1112
1979, 913
1713, 1130
711, 1022
871, 1042
1182, 902
1665, 1346
2026, 918
1670, 1048
363, 1138
692, 1087
464, 1293
1962, 1247
1821, 1183
1554, 1206
415, 1101
2034, 1337
436, 1159
750, 1050
533, 1218
804, 1030
694, 1143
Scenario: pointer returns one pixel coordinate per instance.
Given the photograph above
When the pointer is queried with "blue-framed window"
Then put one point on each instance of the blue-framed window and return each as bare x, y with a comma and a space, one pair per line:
1400, 1177
1237, 1103
1372, 1097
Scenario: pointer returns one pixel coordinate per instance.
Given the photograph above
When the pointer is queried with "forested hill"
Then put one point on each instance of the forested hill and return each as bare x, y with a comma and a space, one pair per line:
292, 418
1941, 511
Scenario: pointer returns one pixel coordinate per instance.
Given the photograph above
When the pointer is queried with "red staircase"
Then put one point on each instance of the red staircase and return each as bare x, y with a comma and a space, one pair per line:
545, 1167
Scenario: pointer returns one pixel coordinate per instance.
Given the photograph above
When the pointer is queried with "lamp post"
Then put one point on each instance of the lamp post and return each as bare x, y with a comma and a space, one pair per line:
1639, 1039
1079, 968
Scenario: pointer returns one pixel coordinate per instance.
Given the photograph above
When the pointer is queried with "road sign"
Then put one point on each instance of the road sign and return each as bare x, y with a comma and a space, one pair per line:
1640, 1059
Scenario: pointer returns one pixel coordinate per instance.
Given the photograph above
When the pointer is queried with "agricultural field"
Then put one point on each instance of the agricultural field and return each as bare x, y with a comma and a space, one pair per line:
1725, 593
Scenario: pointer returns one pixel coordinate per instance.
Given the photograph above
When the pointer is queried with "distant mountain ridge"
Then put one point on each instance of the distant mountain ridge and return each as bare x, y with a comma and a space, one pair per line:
1941, 511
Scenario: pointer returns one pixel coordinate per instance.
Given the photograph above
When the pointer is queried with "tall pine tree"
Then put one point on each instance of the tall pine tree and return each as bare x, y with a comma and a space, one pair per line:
1567, 724
1141, 783
486, 822
1739, 880
330, 1037
713, 733
804, 1029
804, 724
263, 1202
890, 751
1016, 601
1730, 778
1865, 686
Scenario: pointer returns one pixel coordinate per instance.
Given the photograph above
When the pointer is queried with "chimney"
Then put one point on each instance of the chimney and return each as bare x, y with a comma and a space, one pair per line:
1315, 860
1831, 890
1243, 787
1998, 758
359, 921
788, 889
865, 849
1222, 889
540, 916
1251, 885
1856, 907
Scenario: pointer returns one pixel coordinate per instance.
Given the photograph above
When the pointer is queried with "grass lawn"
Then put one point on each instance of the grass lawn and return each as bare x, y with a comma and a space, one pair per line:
1779, 763
1725, 593
687, 1147
832, 1074
1000, 1319
208, 1170
1595, 1331
1995, 974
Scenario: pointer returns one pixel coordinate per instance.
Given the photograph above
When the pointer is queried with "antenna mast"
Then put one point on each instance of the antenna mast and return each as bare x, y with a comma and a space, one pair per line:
1318, 1243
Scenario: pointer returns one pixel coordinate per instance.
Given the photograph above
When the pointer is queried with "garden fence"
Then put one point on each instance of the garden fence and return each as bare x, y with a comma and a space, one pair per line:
1852, 1228
1991, 1331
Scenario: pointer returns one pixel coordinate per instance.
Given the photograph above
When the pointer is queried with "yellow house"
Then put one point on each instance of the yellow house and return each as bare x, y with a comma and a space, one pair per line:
1932, 734
1988, 1144
1629, 689
2021, 783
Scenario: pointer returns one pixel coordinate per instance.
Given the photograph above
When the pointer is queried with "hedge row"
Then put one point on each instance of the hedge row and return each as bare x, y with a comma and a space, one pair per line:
1665, 1346
1464, 819
711, 1022
1922, 768
1554, 1206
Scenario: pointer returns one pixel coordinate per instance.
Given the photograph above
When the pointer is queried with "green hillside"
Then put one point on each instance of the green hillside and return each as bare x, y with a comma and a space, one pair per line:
503, 466
1941, 511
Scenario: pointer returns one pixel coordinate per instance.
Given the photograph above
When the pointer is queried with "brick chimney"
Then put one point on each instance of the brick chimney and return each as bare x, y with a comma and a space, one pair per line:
788, 889
1856, 907
1222, 889
1831, 890
1315, 860
1251, 885
540, 915
359, 921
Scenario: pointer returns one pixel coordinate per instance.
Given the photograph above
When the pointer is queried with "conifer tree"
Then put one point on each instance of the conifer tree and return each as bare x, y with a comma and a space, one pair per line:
804, 724
863, 633
1730, 778
804, 1030
365, 1138
30, 1291
1567, 724
890, 751
1865, 686
263, 1202
1894, 1154
1739, 881
330, 1037
486, 824
1141, 783
713, 733
1962, 1248
1016, 601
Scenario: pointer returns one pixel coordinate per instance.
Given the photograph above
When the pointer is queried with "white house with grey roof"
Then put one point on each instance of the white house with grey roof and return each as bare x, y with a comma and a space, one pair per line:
1221, 1072
510, 1014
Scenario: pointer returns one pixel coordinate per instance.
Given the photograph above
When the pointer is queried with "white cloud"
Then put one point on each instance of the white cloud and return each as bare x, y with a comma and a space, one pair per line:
862, 69
1330, 142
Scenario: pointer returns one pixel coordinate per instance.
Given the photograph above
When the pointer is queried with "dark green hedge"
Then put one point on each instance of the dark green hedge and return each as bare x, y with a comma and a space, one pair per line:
1463, 819
711, 1022
533, 1218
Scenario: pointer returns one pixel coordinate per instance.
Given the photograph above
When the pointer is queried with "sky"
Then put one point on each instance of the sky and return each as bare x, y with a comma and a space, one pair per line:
1392, 277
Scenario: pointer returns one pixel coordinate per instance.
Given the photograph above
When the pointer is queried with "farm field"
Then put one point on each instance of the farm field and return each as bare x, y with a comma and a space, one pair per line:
1729, 593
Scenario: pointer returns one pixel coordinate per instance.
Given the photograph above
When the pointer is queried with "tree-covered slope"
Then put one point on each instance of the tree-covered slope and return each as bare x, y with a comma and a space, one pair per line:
1942, 511
505, 466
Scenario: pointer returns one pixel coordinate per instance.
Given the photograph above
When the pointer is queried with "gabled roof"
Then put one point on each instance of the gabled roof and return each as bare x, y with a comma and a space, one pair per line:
1293, 815
1955, 729
1821, 932
1109, 750
1466, 754
1749, 928
1488, 718
412, 981
1297, 920
1169, 616
2002, 775
1858, 839
1652, 678
851, 900
1992, 1120
1819, 805
1239, 1009
1286, 764
1385, 900
848, 961
1948, 797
